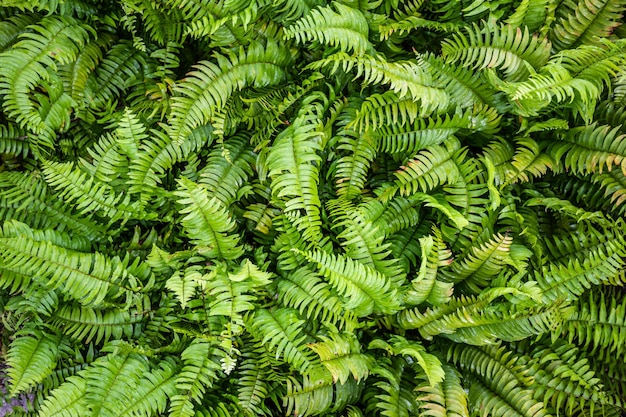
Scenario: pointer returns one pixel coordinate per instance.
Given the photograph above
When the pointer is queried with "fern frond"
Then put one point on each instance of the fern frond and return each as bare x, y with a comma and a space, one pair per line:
614, 186
152, 391
598, 325
183, 284
553, 85
227, 169
509, 325
206, 222
281, 331
352, 169
519, 162
13, 140
564, 380
130, 133
590, 148
392, 394
119, 68
199, 371
53, 40
253, 383
405, 78
384, 109
207, 89
86, 277
466, 88
68, 400
12, 27
318, 394
196, 9
429, 363
425, 286
31, 358
230, 297
531, 13
289, 10
596, 64
401, 28
28, 195
87, 324
341, 355
391, 217
429, 169
363, 241
507, 48
481, 264
366, 290
107, 163
492, 363
113, 380
303, 290
293, 166
76, 75
584, 22
346, 28
158, 154
88, 194
474, 321
447, 399
423, 133
504, 400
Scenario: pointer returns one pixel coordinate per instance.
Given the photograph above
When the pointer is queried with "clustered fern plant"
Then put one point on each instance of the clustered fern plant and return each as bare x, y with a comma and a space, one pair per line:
303, 207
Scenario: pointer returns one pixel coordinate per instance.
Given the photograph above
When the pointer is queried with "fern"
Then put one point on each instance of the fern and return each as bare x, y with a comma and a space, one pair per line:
198, 372
292, 162
89, 194
207, 222
598, 154
89, 324
404, 78
208, 87
54, 40
365, 288
347, 27
447, 399
31, 358
284, 207
280, 331
581, 23
598, 324
511, 50
88, 278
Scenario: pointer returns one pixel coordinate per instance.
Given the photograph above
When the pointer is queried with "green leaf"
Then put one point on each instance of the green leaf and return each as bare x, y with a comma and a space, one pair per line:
31, 358
206, 222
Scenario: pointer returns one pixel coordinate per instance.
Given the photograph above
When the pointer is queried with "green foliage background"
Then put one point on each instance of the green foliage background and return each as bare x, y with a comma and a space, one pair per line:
303, 207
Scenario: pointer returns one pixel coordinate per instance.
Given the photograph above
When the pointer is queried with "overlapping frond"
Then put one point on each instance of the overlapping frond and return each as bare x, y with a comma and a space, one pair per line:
215, 208
208, 87
584, 22
292, 163
86, 277
53, 40
513, 50
200, 369
346, 28
591, 149
365, 289
31, 358
281, 331
406, 78
598, 324
206, 222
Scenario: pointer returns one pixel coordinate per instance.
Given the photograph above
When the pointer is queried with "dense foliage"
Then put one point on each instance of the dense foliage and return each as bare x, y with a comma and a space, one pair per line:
304, 207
